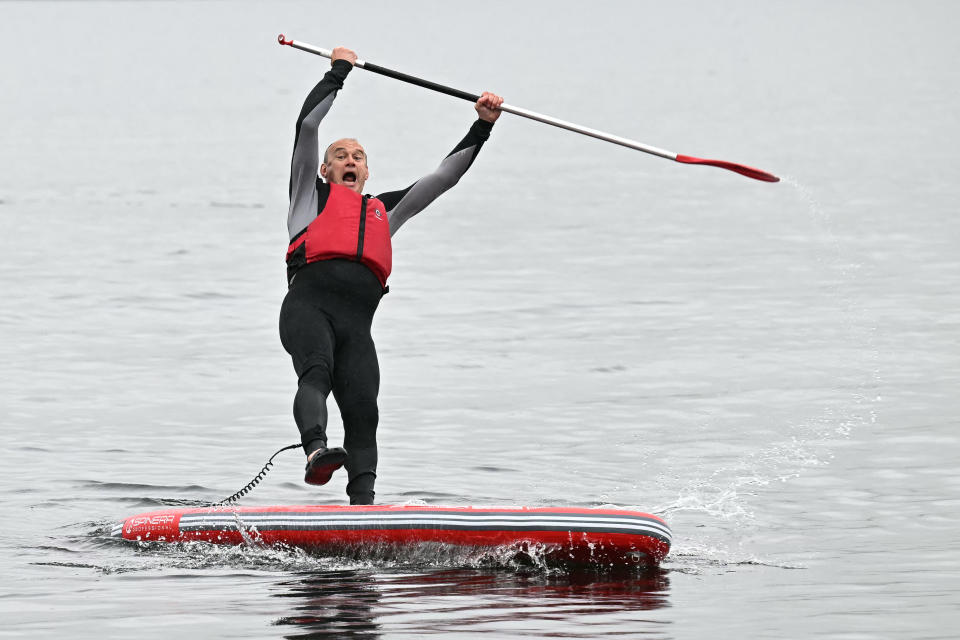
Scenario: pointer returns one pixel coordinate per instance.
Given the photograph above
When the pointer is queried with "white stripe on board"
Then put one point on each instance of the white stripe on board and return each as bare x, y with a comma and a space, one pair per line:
303, 521
424, 516
389, 517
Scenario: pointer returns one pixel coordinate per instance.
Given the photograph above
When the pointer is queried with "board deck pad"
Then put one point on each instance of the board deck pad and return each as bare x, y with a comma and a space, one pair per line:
577, 535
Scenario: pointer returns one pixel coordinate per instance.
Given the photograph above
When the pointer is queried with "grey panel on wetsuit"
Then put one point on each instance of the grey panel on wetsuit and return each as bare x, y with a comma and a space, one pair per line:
304, 168
429, 188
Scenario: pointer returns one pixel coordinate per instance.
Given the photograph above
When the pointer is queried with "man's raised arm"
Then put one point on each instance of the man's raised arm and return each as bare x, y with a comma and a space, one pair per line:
406, 203
306, 155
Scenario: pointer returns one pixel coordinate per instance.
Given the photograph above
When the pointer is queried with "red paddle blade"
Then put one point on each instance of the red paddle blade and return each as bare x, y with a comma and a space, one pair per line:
742, 169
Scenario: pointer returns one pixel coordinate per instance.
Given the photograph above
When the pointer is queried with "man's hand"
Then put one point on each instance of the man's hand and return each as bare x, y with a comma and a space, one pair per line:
342, 53
488, 106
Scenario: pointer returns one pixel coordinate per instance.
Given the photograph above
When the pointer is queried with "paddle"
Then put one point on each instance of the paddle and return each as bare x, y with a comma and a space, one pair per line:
750, 172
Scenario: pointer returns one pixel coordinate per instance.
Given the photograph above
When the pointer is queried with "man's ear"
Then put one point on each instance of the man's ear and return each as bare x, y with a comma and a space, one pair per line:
323, 170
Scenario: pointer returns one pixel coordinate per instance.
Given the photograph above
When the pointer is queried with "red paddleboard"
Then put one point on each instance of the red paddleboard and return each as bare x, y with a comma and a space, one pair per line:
582, 536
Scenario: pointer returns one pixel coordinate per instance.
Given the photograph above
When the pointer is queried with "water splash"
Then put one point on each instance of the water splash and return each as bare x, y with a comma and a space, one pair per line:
861, 329
725, 496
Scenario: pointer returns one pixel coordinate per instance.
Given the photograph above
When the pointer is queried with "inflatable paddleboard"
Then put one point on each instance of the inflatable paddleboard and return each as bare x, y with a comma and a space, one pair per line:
577, 535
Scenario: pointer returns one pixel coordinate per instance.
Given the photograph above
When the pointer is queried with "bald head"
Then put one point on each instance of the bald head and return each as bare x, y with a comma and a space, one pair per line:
339, 143
345, 163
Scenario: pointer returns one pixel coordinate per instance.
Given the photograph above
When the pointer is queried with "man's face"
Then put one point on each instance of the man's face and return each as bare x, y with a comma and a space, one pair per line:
345, 163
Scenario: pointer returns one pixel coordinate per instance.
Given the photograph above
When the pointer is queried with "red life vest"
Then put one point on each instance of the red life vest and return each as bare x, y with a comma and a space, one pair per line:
349, 226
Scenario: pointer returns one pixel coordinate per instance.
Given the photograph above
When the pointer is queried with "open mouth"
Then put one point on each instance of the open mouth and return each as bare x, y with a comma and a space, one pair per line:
350, 176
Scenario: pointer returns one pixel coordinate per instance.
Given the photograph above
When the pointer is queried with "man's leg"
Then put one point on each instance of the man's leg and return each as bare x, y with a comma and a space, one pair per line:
356, 386
310, 408
309, 338
310, 412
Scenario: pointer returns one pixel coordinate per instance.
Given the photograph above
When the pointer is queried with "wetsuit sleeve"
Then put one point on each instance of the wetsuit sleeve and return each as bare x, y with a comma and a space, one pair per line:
304, 192
406, 203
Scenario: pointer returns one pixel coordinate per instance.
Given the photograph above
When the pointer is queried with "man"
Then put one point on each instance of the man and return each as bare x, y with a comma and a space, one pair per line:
338, 262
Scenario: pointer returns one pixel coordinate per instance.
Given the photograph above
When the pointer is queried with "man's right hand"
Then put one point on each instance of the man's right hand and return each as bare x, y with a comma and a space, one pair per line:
342, 53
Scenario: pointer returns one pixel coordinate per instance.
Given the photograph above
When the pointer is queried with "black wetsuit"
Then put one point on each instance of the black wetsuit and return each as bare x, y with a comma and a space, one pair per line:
327, 313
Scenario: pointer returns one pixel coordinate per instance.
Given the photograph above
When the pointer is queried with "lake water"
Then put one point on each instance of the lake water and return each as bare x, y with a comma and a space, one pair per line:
772, 368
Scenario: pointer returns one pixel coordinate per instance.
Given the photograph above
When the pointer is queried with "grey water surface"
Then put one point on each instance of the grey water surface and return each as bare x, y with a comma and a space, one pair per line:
772, 368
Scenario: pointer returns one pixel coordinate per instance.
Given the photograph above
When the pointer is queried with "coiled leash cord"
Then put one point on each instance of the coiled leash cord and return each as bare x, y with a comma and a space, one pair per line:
256, 480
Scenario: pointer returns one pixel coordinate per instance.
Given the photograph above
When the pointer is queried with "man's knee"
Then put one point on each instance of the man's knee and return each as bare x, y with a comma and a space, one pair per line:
311, 397
318, 375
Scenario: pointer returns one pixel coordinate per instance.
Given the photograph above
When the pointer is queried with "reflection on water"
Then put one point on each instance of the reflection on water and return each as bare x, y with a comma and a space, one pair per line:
337, 604
361, 603
385, 591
